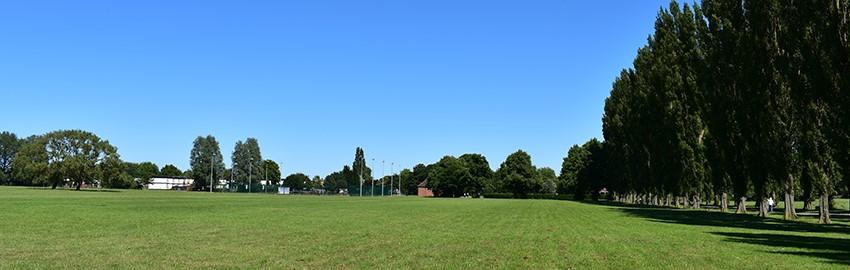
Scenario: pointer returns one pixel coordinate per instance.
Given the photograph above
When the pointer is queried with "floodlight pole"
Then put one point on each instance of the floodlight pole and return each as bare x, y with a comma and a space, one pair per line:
383, 175
361, 176
212, 160
250, 170
392, 164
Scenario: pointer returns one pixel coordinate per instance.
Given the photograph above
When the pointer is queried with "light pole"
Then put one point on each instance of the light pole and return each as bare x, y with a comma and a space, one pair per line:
373, 184
361, 176
392, 165
212, 160
250, 170
383, 174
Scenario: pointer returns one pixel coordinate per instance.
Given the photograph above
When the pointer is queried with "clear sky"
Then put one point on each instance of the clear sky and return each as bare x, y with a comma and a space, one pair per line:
410, 81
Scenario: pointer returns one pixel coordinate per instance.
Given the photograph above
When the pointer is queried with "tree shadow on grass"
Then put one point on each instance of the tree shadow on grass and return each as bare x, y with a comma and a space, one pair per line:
71, 189
726, 220
833, 250
95, 190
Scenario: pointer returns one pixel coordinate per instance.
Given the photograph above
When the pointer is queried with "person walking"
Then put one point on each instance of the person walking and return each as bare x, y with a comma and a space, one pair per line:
770, 204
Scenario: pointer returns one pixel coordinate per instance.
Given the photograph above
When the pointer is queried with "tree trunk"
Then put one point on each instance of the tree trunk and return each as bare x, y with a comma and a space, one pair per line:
79, 184
763, 207
823, 213
696, 201
676, 198
742, 205
685, 201
790, 212
655, 200
724, 202
807, 205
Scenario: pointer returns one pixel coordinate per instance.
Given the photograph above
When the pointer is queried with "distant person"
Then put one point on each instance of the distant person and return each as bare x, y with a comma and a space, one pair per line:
770, 204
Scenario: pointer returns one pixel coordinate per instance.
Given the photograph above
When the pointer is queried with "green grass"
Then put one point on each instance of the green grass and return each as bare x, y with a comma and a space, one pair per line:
148, 229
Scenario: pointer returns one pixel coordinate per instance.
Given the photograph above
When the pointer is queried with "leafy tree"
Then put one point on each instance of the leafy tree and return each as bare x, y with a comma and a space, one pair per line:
405, 178
171, 171
206, 162
114, 175
271, 171
547, 176
420, 174
9, 144
317, 182
247, 161
574, 165
479, 170
335, 182
73, 155
740, 96
356, 167
519, 175
145, 171
297, 182
451, 178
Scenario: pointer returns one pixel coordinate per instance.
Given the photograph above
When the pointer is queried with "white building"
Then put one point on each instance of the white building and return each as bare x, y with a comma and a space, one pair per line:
167, 183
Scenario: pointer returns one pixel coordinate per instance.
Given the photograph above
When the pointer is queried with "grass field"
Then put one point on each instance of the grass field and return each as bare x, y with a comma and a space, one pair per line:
148, 229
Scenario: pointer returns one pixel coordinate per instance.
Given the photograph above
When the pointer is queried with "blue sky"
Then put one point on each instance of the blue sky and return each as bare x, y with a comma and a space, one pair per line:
410, 81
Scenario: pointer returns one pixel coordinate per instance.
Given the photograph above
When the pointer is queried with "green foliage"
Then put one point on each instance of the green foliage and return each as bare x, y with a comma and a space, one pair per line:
297, 182
360, 171
479, 170
114, 175
733, 96
574, 164
547, 176
406, 181
9, 145
271, 171
206, 162
420, 174
145, 171
247, 161
518, 175
170, 171
71, 156
334, 182
451, 178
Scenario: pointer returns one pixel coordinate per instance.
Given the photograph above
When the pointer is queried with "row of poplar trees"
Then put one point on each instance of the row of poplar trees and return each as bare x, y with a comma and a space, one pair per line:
731, 97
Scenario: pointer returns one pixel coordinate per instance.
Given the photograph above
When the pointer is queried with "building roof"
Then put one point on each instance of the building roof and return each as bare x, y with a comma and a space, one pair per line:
424, 183
171, 177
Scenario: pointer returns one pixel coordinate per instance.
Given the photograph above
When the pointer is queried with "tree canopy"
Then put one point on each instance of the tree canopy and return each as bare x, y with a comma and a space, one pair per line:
740, 97
9, 144
207, 162
67, 156
170, 171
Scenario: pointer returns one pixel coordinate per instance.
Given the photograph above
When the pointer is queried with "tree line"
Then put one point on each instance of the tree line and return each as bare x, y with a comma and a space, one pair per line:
471, 175
740, 98
74, 158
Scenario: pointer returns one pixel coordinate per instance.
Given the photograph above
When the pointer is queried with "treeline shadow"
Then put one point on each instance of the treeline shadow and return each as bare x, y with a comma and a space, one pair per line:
833, 250
75, 190
728, 220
